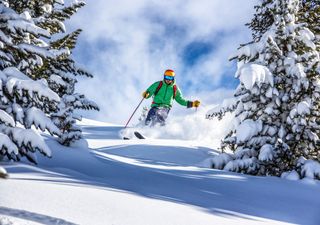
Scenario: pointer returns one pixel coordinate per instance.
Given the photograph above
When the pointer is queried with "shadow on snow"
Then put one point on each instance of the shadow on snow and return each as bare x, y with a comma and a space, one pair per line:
35, 217
217, 192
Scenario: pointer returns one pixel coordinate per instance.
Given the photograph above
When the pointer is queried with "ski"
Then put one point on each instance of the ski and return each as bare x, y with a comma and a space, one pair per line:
138, 135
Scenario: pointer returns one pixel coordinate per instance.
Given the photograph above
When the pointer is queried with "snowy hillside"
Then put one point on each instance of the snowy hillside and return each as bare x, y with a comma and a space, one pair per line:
107, 180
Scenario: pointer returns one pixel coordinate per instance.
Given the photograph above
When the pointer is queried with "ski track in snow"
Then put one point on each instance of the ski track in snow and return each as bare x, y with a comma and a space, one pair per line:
146, 182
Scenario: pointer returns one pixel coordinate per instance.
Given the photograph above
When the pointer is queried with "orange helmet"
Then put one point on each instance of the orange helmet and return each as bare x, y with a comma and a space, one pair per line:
169, 74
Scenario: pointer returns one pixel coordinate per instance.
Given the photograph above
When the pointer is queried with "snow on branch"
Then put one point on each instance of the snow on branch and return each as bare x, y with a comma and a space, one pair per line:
228, 105
6, 118
247, 129
29, 140
251, 74
41, 51
37, 118
18, 112
219, 161
15, 25
32, 88
79, 101
4, 38
311, 169
307, 37
14, 72
301, 109
244, 153
242, 165
7, 145
266, 153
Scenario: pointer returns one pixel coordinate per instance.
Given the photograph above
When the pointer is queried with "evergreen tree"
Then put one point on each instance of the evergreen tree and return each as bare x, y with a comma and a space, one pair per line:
24, 102
276, 105
31, 67
62, 76
61, 71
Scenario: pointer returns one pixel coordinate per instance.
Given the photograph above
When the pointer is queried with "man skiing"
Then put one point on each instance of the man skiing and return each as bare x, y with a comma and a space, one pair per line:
163, 93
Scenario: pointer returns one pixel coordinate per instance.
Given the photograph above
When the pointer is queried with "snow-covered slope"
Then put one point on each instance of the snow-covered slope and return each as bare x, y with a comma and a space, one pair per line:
107, 180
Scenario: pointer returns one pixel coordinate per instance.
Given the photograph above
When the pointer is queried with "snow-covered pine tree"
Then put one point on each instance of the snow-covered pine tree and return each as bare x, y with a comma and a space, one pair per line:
48, 14
60, 72
62, 76
24, 102
276, 106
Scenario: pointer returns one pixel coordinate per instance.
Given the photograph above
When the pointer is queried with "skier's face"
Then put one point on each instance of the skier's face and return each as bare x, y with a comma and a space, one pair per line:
168, 81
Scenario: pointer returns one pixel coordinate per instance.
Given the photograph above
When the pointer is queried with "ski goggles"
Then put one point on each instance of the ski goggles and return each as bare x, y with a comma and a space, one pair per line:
168, 78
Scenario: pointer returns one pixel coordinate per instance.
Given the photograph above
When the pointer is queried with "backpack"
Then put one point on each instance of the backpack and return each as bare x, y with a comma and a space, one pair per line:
159, 87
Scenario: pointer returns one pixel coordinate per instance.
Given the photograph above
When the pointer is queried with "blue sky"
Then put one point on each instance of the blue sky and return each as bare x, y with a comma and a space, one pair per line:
127, 45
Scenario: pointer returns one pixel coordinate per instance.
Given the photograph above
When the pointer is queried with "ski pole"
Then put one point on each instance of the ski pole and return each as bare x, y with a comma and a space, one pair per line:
133, 113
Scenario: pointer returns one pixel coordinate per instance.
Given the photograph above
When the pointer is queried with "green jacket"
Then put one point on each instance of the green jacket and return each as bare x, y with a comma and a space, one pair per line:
165, 96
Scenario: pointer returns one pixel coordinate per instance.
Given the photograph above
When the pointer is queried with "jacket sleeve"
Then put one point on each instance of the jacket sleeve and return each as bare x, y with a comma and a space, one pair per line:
181, 100
152, 89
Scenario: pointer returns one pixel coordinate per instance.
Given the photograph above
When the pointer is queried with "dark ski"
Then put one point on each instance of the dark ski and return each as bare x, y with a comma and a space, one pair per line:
138, 135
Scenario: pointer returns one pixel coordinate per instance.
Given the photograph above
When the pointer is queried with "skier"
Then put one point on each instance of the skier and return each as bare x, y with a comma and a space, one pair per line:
163, 93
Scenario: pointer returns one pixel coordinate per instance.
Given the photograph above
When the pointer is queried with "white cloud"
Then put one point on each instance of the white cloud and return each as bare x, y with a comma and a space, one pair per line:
128, 44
